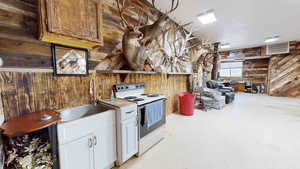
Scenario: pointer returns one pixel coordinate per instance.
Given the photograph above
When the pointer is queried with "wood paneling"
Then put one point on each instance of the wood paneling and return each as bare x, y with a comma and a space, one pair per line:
30, 92
155, 83
19, 7
254, 70
285, 75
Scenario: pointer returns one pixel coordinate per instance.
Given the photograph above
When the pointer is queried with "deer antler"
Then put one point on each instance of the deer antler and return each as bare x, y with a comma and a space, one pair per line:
174, 6
186, 37
121, 11
123, 8
153, 3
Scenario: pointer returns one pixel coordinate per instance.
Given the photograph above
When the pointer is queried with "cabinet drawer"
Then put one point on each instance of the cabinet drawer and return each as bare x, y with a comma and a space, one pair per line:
128, 112
76, 129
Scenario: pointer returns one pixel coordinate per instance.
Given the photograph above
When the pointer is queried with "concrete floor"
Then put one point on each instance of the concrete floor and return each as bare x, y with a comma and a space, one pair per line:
255, 132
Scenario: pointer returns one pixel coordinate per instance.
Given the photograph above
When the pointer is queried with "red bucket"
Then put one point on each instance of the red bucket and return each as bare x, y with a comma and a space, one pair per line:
187, 103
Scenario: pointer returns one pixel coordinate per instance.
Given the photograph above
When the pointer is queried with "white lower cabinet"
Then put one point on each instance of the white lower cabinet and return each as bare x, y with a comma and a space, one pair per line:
77, 154
94, 146
130, 135
105, 147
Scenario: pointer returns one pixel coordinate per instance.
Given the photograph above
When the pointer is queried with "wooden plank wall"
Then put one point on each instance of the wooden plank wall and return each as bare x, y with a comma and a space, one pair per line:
30, 92
285, 74
280, 73
255, 71
170, 86
27, 92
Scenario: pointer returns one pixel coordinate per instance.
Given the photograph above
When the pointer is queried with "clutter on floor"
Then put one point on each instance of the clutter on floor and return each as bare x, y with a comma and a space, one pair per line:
255, 88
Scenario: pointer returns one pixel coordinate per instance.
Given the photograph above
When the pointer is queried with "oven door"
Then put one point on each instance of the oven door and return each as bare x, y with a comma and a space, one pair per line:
144, 129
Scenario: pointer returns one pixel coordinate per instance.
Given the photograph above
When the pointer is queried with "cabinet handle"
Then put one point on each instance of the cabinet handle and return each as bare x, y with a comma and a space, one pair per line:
95, 140
129, 112
90, 142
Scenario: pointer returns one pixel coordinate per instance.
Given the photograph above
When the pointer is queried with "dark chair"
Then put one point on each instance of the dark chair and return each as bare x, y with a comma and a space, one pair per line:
228, 92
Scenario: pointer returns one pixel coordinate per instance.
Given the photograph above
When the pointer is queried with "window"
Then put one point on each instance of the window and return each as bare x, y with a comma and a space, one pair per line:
231, 69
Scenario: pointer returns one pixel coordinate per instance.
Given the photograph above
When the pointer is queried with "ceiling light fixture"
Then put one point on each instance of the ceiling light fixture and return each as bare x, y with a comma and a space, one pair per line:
272, 39
225, 46
207, 17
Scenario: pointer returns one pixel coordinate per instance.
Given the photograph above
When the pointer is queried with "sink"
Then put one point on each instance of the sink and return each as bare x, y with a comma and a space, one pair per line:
75, 113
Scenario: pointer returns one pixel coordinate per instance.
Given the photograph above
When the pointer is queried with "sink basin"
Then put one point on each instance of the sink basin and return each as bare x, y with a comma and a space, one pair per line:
81, 111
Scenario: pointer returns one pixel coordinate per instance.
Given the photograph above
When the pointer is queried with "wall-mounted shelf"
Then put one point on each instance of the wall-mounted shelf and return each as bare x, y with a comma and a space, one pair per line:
124, 73
139, 72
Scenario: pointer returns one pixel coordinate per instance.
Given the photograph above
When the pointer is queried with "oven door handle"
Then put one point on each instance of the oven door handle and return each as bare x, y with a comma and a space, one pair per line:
142, 114
129, 112
145, 119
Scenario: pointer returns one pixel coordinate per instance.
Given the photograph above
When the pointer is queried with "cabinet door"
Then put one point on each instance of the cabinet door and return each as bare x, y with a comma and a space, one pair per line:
78, 154
105, 146
129, 138
75, 18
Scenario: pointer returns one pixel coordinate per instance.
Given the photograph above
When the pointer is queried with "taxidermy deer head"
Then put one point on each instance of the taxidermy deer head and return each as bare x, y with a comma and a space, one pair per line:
150, 32
137, 37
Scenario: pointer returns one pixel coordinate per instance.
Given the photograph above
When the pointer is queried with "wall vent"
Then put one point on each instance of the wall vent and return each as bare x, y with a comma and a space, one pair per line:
279, 48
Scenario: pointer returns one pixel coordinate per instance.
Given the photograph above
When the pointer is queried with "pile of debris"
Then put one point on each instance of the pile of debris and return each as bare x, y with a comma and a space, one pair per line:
28, 152
210, 99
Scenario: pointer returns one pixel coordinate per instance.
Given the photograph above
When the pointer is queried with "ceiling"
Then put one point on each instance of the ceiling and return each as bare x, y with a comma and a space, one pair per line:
242, 23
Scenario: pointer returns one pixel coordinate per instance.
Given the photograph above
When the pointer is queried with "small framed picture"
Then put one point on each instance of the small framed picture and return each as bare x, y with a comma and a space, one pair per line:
70, 61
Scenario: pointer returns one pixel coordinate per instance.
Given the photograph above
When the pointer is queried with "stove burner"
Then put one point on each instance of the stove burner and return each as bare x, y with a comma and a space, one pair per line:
144, 94
139, 99
153, 95
130, 97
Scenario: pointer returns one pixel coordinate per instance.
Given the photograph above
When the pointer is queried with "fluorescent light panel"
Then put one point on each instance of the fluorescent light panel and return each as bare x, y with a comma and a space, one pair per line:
207, 17
272, 39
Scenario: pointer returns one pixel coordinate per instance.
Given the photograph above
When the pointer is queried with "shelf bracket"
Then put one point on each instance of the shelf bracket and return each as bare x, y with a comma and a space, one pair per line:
123, 77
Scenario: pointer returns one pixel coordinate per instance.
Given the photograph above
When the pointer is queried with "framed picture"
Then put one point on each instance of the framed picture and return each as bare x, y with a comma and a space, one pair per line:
70, 61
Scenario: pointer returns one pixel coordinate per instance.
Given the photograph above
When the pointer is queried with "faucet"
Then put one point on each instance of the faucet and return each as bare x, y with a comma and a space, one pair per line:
96, 102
